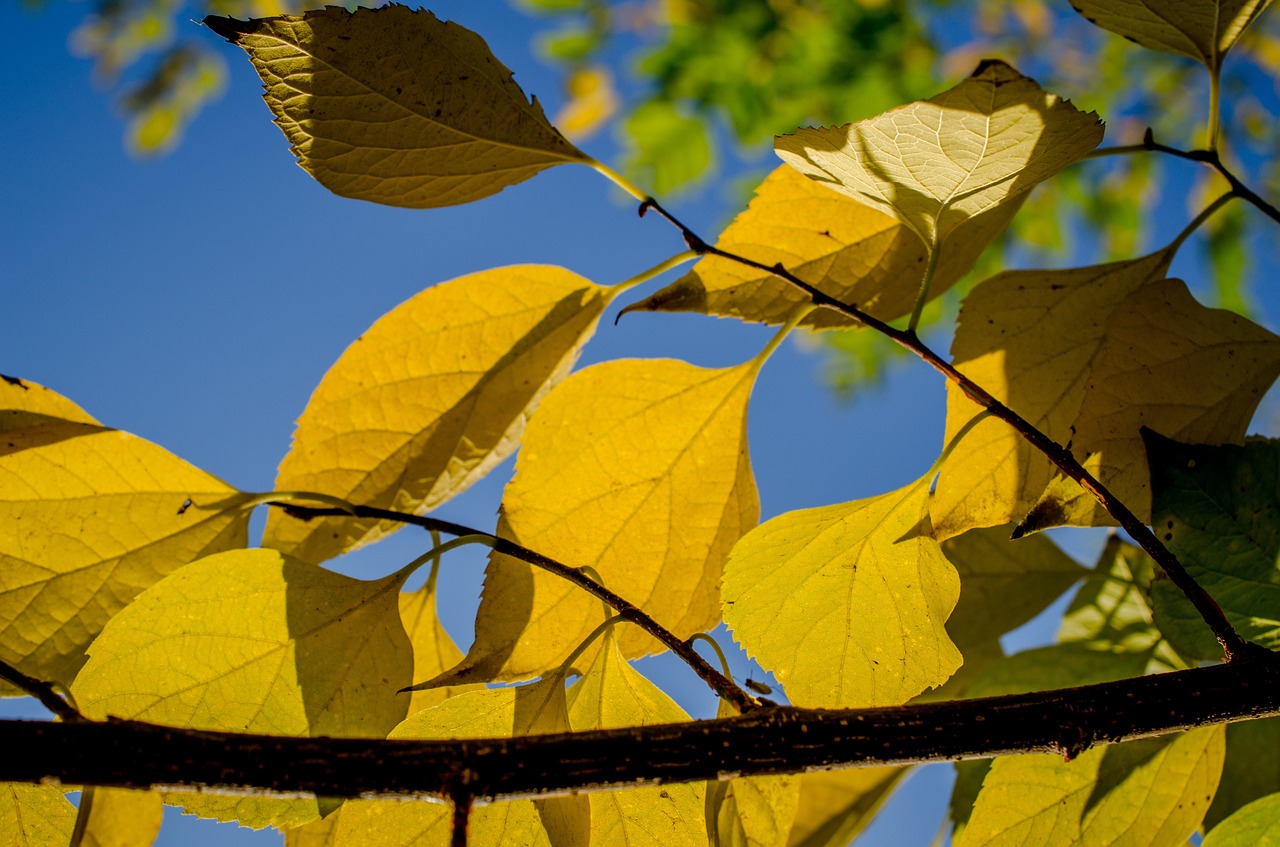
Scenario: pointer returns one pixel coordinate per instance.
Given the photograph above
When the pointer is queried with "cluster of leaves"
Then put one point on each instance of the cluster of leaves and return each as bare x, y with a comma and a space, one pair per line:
1082, 397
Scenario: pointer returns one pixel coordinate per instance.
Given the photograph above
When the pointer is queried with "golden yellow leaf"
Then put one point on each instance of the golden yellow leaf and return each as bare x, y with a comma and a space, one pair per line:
835, 806
254, 641
119, 817
397, 107
533, 709
24, 403
1200, 29
846, 604
639, 469
838, 244
431, 398
433, 650
612, 695
92, 516
751, 811
936, 163
1150, 793
35, 815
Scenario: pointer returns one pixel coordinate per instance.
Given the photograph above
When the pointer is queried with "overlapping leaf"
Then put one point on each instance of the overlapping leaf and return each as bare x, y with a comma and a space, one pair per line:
638, 469
91, 517
120, 818
1251, 770
433, 650
397, 107
846, 604
432, 397
1203, 30
254, 641
835, 806
35, 815
751, 811
937, 163
24, 403
1256, 825
840, 245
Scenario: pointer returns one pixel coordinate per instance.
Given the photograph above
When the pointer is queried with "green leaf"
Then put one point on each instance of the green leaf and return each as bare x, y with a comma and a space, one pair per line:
1251, 770
397, 107
1203, 30
1256, 825
669, 149
35, 815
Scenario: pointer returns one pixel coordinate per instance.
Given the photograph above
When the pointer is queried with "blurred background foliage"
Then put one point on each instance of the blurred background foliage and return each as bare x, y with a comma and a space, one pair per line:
694, 88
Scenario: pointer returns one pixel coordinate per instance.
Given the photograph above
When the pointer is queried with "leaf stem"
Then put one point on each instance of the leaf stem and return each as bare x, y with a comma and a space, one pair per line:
42, 691
1214, 160
1215, 105
715, 645
435, 553
1199, 219
930, 271
793, 320
644, 276
617, 179
605, 625
272, 498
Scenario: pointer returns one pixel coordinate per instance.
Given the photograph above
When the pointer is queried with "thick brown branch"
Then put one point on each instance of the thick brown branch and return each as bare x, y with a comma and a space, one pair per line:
766, 740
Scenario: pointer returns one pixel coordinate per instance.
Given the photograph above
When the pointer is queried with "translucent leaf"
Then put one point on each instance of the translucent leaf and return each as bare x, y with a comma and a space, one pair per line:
433, 650
936, 163
846, 604
397, 107
751, 811
92, 516
611, 695
254, 641
835, 806
1150, 793
318, 833
1256, 825
121, 818
1201, 29
1251, 769
838, 244
24, 403
431, 398
35, 815
617, 456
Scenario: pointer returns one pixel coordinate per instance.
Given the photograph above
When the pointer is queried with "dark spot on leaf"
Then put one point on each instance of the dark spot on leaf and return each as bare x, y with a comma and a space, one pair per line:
13, 380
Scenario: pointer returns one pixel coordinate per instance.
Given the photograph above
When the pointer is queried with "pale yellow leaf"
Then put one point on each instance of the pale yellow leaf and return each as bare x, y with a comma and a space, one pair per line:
24, 403
751, 811
835, 806
89, 517
254, 641
35, 815
431, 398
838, 244
1200, 29
612, 695
936, 163
1150, 793
397, 107
120, 818
638, 469
433, 650
846, 604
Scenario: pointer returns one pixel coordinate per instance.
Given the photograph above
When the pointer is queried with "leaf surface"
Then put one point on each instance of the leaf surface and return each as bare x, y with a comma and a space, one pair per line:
431, 398
395, 106
935, 164
24, 403
119, 817
1203, 30
846, 604
751, 811
254, 641
433, 650
638, 469
1256, 825
35, 815
835, 806
1251, 770
93, 516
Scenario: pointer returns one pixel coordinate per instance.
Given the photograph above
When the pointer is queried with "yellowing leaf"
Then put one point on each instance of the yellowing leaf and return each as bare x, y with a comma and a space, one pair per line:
846, 604
751, 811
89, 517
612, 695
1251, 770
835, 806
592, 100
936, 163
639, 469
1149, 793
1256, 825
24, 403
433, 650
397, 107
838, 244
318, 833
254, 641
35, 815
120, 818
1200, 29
431, 398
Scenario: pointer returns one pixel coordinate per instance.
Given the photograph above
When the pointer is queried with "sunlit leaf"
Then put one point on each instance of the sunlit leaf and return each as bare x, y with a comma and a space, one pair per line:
394, 106
317, 833
121, 818
91, 517
1150, 793
837, 805
846, 604
35, 815
24, 403
838, 244
751, 811
638, 469
1251, 770
1256, 825
254, 641
936, 163
431, 398
433, 650
1200, 29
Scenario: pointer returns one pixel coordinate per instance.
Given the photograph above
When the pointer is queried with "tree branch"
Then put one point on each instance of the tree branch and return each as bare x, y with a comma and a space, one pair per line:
767, 740
1213, 159
40, 690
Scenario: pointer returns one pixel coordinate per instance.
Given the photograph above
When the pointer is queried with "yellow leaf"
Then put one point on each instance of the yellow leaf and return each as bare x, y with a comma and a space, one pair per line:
254, 641
612, 695
592, 100
91, 517
936, 163
534, 709
846, 604
639, 469
24, 403
840, 245
1200, 29
835, 806
751, 811
120, 818
396, 106
35, 815
431, 398
318, 833
433, 650
1149, 793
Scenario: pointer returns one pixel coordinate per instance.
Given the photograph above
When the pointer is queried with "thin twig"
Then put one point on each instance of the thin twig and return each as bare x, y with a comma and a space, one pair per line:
42, 691
1213, 159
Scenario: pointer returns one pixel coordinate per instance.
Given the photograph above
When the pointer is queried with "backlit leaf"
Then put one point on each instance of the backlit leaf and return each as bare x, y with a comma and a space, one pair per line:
1200, 29
751, 811
1256, 825
35, 815
431, 398
846, 604
397, 107
837, 805
1150, 793
121, 818
433, 650
1251, 770
92, 516
254, 641
838, 244
639, 469
936, 163
24, 403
